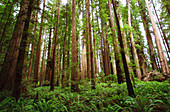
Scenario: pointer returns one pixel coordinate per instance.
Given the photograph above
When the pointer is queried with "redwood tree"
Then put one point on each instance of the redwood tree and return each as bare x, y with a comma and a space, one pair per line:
74, 57
20, 62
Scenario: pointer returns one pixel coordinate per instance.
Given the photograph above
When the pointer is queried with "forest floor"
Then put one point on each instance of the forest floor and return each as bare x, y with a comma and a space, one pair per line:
107, 97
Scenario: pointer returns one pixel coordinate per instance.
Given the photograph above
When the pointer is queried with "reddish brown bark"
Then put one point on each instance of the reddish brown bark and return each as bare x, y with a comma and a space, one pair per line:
91, 51
54, 50
33, 46
68, 56
88, 41
63, 76
74, 58
9, 65
58, 65
20, 62
37, 60
48, 67
42, 66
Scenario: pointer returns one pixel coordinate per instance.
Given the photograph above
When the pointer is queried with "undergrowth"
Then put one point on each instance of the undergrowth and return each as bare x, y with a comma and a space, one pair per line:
151, 97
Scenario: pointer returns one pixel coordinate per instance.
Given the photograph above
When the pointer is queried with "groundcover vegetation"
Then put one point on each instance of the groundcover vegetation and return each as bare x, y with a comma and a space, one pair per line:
108, 97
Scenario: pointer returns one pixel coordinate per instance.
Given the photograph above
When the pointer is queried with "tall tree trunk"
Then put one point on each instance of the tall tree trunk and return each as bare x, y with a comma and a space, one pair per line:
64, 75
84, 55
9, 64
54, 50
140, 52
74, 67
48, 57
38, 51
128, 81
91, 51
43, 66
116, 50
148, 36
88, 41
134, 53
101, 49
94, 43
20, 62
33, 45
164, 64
58, 65
105, 44
68, 55
127, 53
165, 41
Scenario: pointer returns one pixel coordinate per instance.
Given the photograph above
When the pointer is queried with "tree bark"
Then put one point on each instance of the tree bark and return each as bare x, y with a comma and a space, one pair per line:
88, 41
54, 50
128, 81
148, 36
84, 55
116, 50
58, 65
105, 45
164, 64
74, 67
68, 54
127, 53
33, 46
165, 41
9, 64
64, 75
38, 51
94, 44
135, 57
20, 62
43, 66
91, 51
48, 57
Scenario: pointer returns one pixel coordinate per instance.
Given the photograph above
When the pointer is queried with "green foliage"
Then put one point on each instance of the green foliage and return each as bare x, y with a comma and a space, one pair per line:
151, 97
